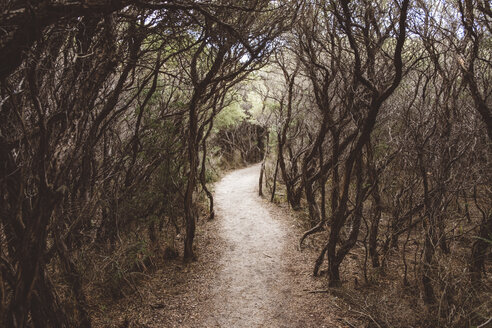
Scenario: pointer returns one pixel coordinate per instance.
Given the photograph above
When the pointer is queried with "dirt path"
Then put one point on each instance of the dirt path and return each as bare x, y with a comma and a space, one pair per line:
249, 291
248, 273
263, 279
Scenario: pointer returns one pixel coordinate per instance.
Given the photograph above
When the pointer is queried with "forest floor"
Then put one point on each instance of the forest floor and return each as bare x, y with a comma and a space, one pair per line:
249, 272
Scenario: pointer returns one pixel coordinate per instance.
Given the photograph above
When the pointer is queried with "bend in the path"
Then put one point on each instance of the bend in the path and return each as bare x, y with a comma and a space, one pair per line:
248, 273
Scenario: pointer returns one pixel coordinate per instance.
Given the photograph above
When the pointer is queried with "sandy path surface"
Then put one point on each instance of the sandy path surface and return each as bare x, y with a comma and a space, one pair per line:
250, 289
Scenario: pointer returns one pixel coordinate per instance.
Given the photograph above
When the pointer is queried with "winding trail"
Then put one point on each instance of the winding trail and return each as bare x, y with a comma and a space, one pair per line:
248, 273
250, 289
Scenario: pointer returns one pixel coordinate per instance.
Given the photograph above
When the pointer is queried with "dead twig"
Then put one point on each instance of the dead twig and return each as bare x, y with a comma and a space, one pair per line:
317, 291
483, 325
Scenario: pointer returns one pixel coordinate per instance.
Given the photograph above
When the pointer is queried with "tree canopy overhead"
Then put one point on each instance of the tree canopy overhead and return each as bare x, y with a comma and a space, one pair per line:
374, 117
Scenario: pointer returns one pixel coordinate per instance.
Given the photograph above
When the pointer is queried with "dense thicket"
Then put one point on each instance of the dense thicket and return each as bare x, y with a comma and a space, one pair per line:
382, 123
375, 117
106, 107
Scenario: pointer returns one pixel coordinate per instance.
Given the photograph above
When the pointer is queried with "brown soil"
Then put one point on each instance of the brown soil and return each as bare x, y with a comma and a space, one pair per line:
248, 274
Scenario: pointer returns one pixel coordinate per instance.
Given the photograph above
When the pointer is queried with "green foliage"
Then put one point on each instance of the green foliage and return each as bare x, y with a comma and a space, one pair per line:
229, 116
130, 258
211, 176
257, 105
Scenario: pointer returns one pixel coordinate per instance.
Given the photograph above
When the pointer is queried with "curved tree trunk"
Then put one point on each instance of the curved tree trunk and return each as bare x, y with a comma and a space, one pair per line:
263, 162
203, 181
